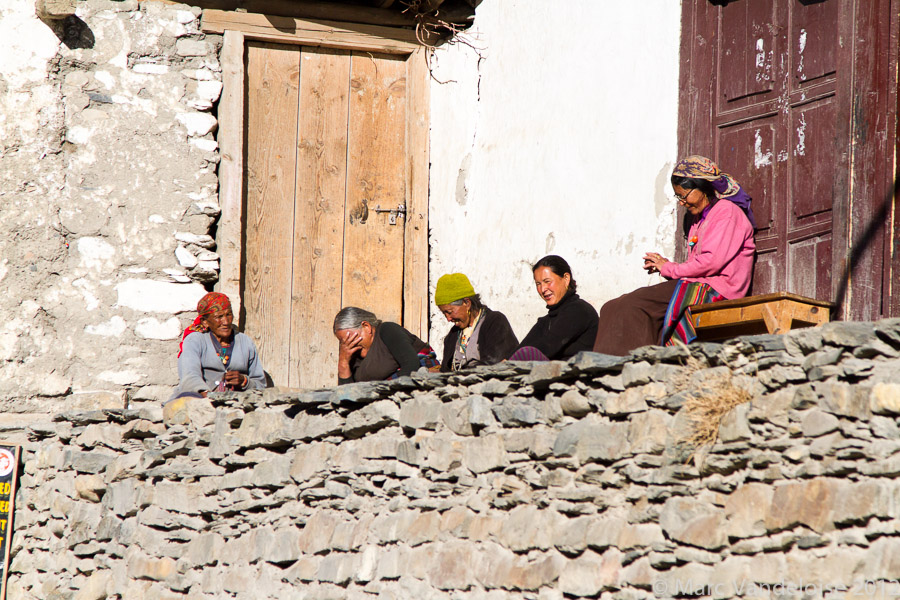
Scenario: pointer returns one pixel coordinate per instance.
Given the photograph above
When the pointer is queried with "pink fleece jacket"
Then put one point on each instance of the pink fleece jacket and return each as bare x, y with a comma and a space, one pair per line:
723, 254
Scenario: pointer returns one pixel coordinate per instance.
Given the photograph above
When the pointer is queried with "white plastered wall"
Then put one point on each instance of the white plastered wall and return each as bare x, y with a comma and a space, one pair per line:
556, 136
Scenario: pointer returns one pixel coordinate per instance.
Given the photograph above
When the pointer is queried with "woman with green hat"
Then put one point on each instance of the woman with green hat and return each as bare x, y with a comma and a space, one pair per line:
480, 336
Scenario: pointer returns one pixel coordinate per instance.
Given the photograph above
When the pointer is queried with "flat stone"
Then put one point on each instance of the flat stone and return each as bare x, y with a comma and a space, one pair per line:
843, 399
746, 509
884, 398
594, 362
648, 431
526, 528
849, 334
636, 373
694, 522
421, 413
590, 574
90, 487
276, 545
371, 417
591, 440
264, 428
817, 422
513, 411
481, 412
735, 425
87, 462
483, 454
544, 373
273, 472
455, 416
632, 400
316, 534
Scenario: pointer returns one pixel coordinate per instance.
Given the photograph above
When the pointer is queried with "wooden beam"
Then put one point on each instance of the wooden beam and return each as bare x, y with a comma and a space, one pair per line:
231, 168
312, 33
308, 10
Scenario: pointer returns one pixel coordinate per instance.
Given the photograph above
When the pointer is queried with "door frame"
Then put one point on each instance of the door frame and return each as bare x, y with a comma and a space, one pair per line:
865, 258
239, 28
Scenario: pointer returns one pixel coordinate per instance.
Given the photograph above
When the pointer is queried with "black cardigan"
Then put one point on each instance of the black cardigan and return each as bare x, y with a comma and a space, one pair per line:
569, 327
496, 340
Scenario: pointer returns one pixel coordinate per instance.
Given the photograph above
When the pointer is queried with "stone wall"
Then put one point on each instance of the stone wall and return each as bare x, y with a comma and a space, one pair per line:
522, 480
108, 192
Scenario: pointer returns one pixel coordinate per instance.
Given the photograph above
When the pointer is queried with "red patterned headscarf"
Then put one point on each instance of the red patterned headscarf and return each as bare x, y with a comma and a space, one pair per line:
207, 305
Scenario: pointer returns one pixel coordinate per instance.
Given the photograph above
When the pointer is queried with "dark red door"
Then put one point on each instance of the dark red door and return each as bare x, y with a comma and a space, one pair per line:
769, 90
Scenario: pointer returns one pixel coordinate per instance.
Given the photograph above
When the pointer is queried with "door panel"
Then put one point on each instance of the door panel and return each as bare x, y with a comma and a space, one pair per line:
813, 51
373, 269
812, 153
746, 54
272, 96
325, 146
319, 214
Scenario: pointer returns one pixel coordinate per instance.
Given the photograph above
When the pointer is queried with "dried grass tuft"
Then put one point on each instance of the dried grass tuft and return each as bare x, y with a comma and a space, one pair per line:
706, 410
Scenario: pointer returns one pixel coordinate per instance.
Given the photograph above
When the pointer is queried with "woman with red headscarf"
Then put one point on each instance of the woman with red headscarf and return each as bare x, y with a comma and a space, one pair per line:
214, 357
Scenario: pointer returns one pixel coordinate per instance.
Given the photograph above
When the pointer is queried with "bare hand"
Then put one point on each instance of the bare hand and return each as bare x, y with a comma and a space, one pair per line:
235, 380
653, 262
350, 343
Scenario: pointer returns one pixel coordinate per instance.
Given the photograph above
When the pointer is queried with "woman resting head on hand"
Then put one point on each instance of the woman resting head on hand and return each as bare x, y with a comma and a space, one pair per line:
480, 336
570, 324
214, 357
370, 350
719, 228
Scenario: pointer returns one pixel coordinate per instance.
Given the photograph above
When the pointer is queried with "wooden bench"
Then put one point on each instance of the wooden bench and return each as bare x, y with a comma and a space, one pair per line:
767, 313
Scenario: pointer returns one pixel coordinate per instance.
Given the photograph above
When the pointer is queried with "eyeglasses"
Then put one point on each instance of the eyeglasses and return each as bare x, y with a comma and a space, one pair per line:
683, 199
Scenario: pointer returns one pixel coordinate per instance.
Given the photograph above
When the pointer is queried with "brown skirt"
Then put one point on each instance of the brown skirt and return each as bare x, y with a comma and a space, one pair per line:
634, 319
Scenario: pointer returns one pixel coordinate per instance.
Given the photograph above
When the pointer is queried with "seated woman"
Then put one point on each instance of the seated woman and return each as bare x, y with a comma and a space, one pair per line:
480, 336
570, 324
719, 264
371, 350
214, 357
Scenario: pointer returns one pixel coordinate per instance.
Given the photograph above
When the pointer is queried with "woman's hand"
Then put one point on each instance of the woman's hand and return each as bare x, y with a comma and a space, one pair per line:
350, 343
236, 380
653, 262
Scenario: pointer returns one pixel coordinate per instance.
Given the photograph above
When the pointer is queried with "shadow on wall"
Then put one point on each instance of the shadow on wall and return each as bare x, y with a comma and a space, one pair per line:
73, 32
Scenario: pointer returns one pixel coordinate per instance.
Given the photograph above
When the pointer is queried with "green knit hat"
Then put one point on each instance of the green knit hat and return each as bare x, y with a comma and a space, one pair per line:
452, 287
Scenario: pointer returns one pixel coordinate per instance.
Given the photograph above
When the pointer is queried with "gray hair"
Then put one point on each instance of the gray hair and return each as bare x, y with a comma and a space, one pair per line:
351, 317
477, 304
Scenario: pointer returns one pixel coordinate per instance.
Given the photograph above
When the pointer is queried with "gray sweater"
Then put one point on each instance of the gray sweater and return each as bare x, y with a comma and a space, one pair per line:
200, 369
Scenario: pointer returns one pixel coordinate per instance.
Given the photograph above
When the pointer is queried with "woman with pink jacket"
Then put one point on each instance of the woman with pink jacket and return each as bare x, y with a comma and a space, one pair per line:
719, 266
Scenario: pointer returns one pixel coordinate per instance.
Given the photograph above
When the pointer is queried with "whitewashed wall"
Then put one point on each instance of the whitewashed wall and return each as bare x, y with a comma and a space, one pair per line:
557, 136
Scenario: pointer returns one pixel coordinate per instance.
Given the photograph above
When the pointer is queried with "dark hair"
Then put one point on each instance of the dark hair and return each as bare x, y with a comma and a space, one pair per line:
692, 183
477, 304
558, 265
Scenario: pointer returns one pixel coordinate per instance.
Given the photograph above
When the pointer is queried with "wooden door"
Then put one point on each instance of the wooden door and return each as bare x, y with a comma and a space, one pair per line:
767, 91
326, 147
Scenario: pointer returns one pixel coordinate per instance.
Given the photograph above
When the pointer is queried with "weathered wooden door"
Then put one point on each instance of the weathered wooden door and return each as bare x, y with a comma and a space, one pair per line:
325, 151
770, 90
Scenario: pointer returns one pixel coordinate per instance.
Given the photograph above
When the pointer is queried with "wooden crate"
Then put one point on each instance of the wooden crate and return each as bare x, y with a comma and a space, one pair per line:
767, 313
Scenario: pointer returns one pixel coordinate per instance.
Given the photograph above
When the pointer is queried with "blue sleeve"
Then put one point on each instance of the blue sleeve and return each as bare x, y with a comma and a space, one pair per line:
256, 373
190, 364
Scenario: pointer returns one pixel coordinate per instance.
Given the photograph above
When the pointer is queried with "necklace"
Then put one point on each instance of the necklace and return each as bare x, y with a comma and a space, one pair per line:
223, 352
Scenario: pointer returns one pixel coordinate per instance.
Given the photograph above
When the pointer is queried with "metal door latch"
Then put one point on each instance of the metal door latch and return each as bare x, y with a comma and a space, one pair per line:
394, 212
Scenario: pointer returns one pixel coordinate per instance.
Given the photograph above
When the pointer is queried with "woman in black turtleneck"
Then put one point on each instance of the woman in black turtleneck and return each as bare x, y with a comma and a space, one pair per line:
570, 324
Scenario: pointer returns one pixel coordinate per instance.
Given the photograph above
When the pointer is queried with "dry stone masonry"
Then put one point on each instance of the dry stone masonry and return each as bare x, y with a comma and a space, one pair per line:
546, 481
